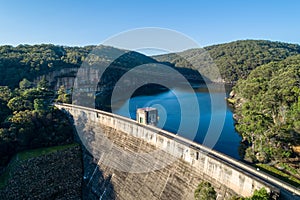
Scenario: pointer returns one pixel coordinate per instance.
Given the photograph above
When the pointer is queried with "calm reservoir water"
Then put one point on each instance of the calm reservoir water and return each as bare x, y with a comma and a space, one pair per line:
177, 110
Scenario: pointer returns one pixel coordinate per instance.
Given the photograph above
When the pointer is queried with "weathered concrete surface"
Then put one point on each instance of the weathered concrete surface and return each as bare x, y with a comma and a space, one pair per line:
175, 181
110, 138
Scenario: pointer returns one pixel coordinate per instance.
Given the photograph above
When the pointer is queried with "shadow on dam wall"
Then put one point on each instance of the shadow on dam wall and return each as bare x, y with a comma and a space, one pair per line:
96, 185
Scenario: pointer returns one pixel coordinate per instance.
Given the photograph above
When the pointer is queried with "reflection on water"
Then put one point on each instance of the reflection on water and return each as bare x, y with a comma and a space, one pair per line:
170, 115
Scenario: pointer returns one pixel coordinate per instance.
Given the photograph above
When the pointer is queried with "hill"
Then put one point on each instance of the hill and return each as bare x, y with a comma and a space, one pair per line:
236, 59
60, 65
268, 112
32, 61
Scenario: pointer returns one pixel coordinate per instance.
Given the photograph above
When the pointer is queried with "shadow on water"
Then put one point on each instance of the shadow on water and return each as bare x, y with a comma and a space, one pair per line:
95, 184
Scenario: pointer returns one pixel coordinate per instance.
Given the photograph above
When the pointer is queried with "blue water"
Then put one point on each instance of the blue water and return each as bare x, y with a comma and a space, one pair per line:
189, 114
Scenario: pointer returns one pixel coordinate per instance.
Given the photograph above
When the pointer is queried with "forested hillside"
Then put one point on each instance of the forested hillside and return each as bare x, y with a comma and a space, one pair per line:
30, 61
235, 60
268, 110
26, 61
28, 121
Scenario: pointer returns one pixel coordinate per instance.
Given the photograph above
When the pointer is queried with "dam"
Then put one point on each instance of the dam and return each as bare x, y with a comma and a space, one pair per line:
165, 165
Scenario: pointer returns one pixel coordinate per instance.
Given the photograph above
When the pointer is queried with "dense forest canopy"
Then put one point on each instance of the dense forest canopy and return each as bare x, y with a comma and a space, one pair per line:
28, 120
235, 60
30, 61
268, 109
26, 61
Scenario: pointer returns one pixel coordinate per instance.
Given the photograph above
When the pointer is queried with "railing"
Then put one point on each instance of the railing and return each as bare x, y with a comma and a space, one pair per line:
222, 157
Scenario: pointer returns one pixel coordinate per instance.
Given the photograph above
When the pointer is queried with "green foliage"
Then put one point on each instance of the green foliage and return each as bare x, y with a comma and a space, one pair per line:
280, 174
29, 62
5, 96
268, 105
235, 60
261, 194
32, 61
205, 191
25, 84
40, 105
294, 116
5, 93
43, 84
63, 97
19, 104
28, 121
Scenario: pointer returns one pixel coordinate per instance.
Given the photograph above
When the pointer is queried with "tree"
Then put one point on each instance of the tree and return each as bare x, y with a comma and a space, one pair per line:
19, 104
205, 191
260, 194
28, 122
40, 105
5, 93
268, 110
43, 84
23, 122
63, 97
25, 84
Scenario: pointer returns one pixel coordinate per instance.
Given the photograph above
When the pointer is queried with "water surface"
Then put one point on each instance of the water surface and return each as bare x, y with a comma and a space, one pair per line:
171, 115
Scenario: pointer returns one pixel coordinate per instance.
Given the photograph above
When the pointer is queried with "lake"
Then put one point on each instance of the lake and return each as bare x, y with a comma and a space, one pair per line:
179, 113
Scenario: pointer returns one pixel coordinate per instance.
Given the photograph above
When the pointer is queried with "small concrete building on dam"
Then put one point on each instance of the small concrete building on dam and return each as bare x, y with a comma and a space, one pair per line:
147, 116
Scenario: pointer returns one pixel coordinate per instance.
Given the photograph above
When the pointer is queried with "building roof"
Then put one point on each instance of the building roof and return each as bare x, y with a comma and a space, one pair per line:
146, 109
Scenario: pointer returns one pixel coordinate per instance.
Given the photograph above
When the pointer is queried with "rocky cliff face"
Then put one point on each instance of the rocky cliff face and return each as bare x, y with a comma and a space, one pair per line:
56, 175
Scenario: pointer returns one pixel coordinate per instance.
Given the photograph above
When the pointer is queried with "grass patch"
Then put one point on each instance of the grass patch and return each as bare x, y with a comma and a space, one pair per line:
25, 155
42, 151
279, 174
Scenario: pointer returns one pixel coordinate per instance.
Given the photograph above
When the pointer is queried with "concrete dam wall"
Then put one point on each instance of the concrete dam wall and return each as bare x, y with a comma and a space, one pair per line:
164, 165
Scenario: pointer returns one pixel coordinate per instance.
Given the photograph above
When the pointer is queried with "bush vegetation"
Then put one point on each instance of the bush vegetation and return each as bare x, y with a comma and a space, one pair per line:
28, 120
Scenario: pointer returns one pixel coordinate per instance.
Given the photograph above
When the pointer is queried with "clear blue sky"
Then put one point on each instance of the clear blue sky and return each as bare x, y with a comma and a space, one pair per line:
84, 22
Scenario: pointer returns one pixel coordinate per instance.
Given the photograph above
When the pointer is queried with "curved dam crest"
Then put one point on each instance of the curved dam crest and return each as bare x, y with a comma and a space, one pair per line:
191, 162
